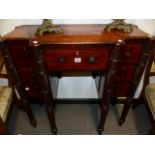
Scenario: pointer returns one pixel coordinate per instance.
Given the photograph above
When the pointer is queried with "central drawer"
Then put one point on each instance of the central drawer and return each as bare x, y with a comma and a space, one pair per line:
76, 60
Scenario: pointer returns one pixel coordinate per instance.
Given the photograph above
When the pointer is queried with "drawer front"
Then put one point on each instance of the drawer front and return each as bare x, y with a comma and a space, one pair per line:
126, 73
131, 53
121, 89
26, 74
21, 54
71, 60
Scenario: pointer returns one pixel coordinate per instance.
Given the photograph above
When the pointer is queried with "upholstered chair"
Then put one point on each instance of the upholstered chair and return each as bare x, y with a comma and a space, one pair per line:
5, 107
149, 91
6, 98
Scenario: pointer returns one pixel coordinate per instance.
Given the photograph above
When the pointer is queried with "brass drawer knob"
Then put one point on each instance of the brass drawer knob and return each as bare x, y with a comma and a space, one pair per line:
92, 59
61, 59
127, 54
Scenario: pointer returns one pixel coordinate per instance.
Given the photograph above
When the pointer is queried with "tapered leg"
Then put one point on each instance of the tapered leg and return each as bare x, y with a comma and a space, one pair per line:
125, 111
103, 116
30, 115
51, 118
152, 130
3, 129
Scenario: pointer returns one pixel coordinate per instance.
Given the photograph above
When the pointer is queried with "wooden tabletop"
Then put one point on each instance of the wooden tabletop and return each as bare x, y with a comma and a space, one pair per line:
74, 34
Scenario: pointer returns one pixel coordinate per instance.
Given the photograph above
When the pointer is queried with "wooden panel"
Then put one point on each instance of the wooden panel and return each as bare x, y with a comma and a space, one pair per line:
21, 54
121, 89
29, 81
131, 53
26, 74
32, 91
126, 73
76, 60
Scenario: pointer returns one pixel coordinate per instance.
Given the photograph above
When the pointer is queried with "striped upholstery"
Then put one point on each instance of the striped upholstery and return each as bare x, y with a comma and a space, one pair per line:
5, 95
150, 96
5, 101
3, 70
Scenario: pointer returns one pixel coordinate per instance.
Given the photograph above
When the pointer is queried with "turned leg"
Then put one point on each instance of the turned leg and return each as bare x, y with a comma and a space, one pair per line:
125, 111
29, 113
109, 85
50, 114
23, 104
152, 130
3, 129
103, 115
44, 84
144, 59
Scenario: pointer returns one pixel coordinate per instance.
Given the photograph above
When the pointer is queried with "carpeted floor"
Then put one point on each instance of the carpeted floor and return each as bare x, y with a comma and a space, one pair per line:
80, 119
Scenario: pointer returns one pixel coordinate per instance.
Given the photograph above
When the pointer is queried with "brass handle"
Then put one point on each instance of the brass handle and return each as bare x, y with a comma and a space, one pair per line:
61, 59
92, 59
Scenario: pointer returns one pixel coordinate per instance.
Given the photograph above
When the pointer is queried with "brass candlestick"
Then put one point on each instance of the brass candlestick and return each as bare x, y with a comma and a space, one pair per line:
119, 25
48, 27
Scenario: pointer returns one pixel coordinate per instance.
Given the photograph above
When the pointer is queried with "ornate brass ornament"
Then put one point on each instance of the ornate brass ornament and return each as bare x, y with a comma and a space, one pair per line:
48, 27
119, 25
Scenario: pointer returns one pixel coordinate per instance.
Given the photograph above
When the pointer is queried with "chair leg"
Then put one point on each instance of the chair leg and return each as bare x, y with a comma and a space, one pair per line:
137, 103
104, 113
3, 129
125, 111
152, 130
24, 105
29, 113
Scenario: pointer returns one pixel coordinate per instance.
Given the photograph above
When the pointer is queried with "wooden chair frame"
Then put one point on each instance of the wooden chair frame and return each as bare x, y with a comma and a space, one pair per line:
142, 98
3, 124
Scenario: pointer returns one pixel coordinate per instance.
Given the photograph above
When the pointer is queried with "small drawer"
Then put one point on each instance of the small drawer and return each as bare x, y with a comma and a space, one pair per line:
70, 60
131, 53
21, 54
126, 73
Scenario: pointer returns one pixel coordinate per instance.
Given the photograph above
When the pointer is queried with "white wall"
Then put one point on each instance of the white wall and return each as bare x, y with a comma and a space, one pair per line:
146, 25
7, 25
